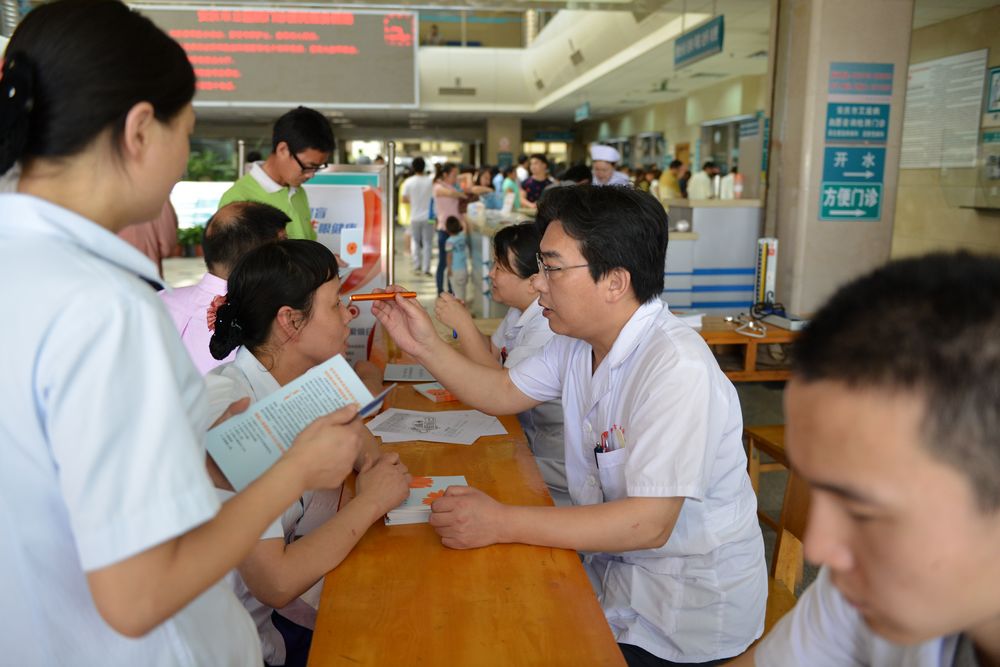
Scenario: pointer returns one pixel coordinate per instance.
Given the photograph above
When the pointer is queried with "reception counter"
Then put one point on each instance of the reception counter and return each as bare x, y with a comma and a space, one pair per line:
714, 271
709, 268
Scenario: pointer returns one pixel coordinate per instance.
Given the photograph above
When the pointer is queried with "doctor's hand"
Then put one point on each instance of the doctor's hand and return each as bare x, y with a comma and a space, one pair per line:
407, 322
467, 518
325, 451
452, 312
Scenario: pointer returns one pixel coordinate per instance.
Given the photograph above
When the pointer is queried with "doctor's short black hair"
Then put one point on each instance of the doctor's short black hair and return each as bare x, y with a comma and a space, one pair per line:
930, 326
616, 227
303, 128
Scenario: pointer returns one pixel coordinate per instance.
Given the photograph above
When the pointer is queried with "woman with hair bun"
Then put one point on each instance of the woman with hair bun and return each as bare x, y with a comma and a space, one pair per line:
114, 542
283, 314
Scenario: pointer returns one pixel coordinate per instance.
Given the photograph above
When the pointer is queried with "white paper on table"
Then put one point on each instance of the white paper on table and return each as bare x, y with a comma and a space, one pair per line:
458, 427
407, 373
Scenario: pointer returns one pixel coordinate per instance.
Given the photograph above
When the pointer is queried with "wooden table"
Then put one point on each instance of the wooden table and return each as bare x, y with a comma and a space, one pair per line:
718, 334
721, 336
401, 598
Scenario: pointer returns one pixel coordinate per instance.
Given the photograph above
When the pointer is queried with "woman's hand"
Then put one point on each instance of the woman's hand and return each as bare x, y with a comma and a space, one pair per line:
325, 451
386, 483
452, 312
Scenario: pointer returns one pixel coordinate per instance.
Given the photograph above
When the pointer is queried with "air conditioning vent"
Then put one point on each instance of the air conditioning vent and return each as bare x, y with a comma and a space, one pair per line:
758, 54
456, 90
708, 75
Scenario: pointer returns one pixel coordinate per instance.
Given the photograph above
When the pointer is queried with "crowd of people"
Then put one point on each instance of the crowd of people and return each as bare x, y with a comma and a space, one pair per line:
125, 545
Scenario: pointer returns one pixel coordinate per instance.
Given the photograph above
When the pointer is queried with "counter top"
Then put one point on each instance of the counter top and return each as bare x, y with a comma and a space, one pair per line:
713, 203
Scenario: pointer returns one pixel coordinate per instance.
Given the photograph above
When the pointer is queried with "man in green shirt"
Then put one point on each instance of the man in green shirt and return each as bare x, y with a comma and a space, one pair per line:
301, 145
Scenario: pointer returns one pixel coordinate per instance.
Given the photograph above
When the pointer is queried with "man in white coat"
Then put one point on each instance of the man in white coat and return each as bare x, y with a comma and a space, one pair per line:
662, 505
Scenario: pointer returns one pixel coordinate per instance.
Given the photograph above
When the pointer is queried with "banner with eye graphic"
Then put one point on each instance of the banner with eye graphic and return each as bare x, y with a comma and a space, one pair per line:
349, 216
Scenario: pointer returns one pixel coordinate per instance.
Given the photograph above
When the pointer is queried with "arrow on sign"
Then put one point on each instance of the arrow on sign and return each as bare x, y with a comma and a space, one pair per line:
857, 212
859, 174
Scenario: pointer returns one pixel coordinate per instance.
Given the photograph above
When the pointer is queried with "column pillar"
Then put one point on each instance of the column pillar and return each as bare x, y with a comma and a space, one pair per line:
836, 135
503, 140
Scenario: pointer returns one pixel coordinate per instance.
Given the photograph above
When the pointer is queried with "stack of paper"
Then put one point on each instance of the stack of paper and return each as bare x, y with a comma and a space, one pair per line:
435, 391
407, 373
423, 491
457, 427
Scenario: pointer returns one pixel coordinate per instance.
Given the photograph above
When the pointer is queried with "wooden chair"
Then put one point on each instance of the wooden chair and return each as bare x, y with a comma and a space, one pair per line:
786, 566
771, 441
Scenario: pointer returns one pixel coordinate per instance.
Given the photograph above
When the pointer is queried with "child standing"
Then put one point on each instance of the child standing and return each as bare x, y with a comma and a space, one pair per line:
457, 248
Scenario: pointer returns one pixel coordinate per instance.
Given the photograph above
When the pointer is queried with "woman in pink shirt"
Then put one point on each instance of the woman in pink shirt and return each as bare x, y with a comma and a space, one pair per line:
447, 195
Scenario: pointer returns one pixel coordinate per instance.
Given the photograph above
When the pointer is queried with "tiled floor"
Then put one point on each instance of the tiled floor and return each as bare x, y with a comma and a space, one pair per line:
760, 402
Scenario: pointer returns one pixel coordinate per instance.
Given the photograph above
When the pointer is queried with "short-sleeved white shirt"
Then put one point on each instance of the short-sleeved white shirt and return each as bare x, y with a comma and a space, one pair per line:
419, 188
701, 596
101, 460
252, 379
520, 335
823, 630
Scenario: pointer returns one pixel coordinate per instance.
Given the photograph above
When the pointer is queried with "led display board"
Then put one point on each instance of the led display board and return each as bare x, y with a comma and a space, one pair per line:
246, 57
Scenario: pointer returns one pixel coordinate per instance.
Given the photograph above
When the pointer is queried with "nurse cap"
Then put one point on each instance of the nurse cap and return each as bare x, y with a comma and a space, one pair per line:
604, 153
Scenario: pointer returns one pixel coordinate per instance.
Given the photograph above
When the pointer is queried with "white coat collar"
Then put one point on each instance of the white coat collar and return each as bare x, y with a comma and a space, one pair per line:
633, 332
528, 314
261, 382
29, 215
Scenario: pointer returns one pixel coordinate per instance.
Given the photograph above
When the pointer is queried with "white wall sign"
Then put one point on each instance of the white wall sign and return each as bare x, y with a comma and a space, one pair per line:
944, 102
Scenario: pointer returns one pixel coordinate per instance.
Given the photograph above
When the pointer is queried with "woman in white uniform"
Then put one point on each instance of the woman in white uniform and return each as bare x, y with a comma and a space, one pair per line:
114, 543
522, 333
283, 311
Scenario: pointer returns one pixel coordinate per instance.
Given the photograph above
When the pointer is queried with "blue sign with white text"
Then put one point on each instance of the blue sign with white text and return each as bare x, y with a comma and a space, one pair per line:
848, 165
749, 128
855, 123
703, 41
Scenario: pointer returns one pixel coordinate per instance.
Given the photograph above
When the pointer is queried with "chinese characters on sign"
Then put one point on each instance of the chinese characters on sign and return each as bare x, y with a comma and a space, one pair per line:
856, 113
847, 123
703, 41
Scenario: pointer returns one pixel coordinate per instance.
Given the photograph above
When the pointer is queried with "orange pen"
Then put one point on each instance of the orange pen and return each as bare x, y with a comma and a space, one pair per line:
383, 297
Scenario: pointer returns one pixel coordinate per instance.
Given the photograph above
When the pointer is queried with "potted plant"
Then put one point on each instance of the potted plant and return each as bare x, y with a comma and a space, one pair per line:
205, 165
190, 239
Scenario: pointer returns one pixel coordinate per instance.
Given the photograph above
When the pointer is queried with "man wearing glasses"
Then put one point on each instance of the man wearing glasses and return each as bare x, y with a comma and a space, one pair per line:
663, 511
300, 146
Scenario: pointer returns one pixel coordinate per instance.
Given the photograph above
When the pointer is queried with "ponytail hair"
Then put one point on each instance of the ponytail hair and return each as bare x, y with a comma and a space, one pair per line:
74, 68
283, 273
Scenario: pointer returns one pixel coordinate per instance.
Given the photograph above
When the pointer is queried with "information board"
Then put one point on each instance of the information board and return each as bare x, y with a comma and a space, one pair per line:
944, 101
283, 58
